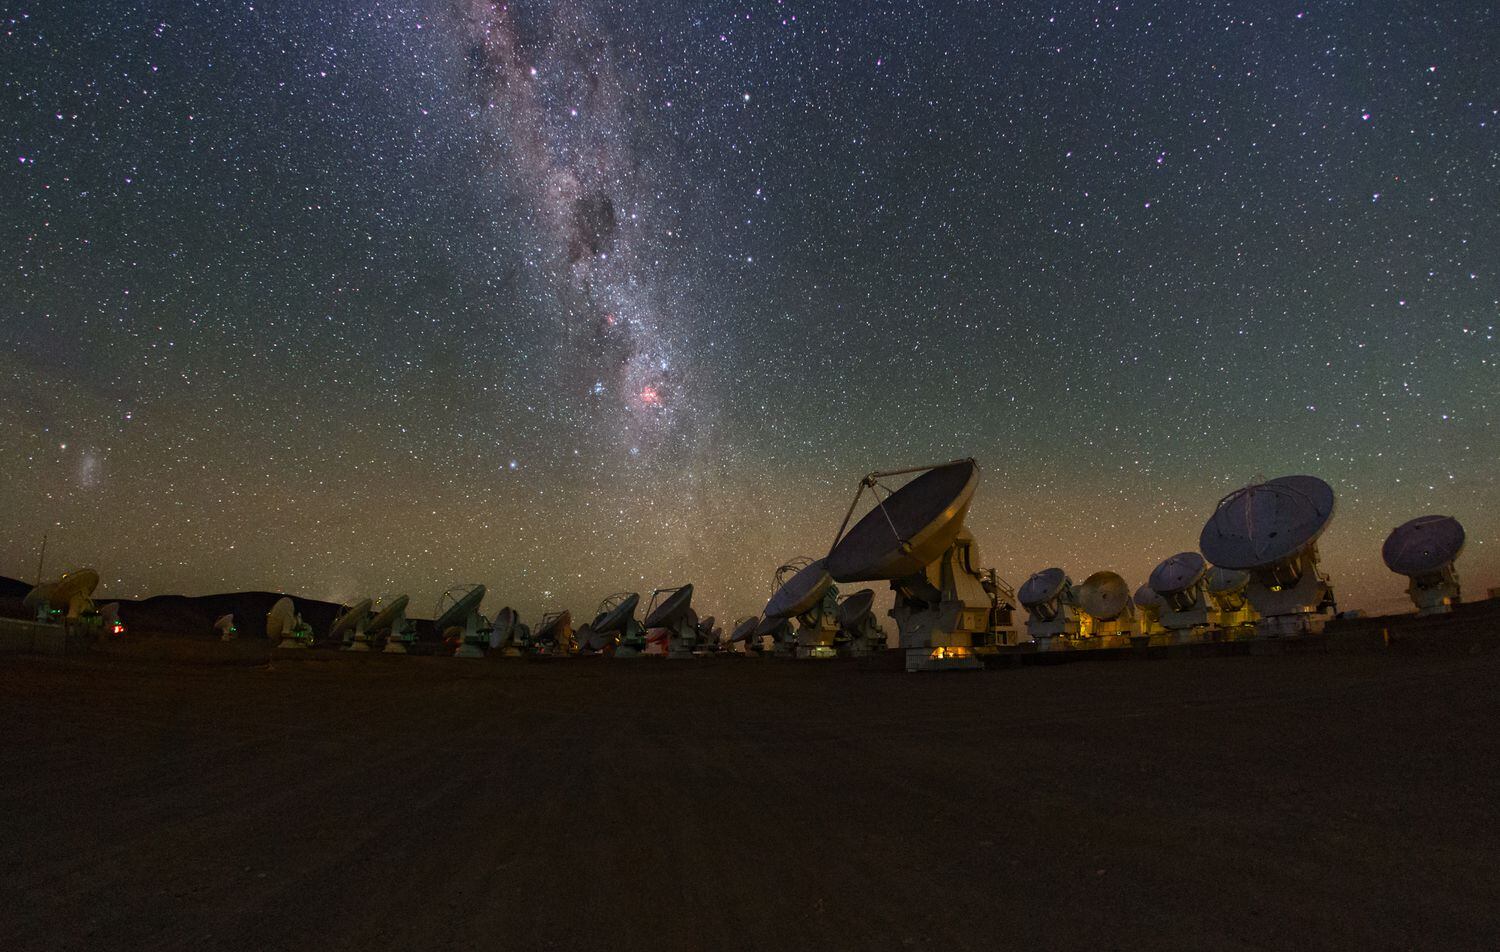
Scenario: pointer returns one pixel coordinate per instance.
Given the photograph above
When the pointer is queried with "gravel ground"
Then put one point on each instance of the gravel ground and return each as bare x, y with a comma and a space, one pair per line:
379, 802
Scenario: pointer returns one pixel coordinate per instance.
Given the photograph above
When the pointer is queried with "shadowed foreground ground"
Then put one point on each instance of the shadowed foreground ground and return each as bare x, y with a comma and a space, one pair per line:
424, 803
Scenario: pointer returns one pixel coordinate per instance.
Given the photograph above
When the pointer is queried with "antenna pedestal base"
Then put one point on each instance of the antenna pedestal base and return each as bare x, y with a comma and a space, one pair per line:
1048, 635
816, 631
296, 639
1115, 633
476, 638
1434, 599
946, 627
866, 642
399, 641
1287, 611
816, 651
682, 641
942, 659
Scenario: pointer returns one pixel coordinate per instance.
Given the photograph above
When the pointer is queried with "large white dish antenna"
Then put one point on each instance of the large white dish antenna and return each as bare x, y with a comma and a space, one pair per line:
801, 592
672, 610
350, 618
1042, 588
1423, 546
909, 529
1103, 595
1264, 524
459, 611
389, 614
281, 619
1178, 573
856, 608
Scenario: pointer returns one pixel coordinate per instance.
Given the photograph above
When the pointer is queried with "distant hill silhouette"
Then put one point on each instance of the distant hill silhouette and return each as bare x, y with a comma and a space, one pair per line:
194, 616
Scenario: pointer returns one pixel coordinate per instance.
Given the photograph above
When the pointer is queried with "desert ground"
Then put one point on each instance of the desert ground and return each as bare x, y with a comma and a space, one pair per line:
380, 802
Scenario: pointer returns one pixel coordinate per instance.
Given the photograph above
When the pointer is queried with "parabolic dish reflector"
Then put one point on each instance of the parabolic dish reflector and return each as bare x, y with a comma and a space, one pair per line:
81, 582
1042, 587
1146, 598
1178, 573
387, 616
1222, 581
768, 626
1104, 595
550, 625
1424, 545
854, 609
459, 611
62, 592
615, 619
744, 630
1267, 523
671, 611
909, 529
801, 592
350, 617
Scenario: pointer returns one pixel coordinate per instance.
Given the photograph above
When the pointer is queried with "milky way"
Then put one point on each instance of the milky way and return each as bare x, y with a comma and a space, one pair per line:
576, 148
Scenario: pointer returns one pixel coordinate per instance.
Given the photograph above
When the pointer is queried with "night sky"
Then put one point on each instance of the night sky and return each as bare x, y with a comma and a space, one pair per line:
354, 298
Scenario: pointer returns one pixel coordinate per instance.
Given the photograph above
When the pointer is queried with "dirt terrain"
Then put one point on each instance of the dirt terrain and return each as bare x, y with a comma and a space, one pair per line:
380, 802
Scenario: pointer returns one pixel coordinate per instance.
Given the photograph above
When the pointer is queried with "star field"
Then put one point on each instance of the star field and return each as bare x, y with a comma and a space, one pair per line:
568, 297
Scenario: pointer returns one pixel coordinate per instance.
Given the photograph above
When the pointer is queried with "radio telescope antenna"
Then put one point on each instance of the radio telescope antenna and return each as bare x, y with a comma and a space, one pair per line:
617, 621
69, 598
1105, 598
809, 596
1052, 613
458, 610
510, 635
286, 627
392, 618
740, 639
1181, 582
914, 538
674, 615
1271, 530
1424, 550
856, 619
553, 634
351, 627
1148, 608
